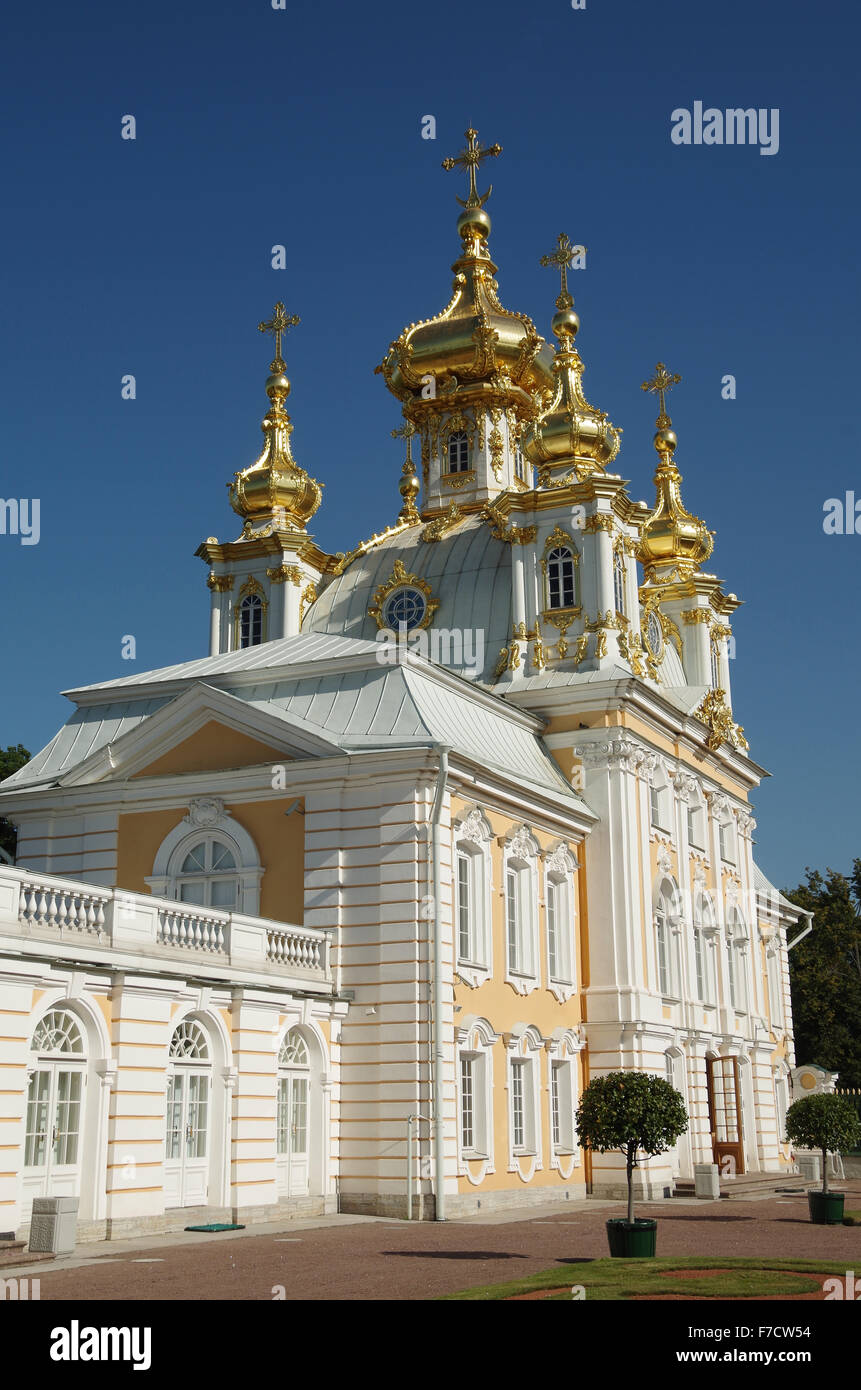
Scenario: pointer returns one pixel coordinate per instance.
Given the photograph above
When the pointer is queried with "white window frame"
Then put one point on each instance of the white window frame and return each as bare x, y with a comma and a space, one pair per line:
563, 1049
660, 803
520, 905
666, 919
697, 826
476, 1039
559, 886
705, 930
525, 1047
737, 979
472, 836
208, 818
727, 841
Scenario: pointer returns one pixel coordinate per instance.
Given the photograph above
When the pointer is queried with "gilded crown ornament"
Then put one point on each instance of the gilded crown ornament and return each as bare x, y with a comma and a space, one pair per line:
673, 543
569, 434
275, 493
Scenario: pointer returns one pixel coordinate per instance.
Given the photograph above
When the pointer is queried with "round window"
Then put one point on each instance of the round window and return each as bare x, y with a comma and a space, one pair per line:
654, 635
405, 608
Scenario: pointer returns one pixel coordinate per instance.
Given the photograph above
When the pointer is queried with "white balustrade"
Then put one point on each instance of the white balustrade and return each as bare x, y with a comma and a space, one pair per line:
197, 931
40, 905
65, 909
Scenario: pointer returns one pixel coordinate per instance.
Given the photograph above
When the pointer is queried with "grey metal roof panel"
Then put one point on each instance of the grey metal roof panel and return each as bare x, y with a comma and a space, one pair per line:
268, 656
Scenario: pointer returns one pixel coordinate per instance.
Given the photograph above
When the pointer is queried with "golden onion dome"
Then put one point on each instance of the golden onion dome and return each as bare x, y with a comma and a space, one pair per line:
275, 490
570, 432
673, 543
475, 339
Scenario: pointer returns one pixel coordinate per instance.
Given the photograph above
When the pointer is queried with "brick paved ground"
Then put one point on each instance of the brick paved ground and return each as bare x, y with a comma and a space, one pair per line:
350, 1259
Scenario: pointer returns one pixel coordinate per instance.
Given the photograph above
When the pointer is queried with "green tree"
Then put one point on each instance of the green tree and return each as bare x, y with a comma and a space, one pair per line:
11, 759
825, 974
824, 1122
632, 1111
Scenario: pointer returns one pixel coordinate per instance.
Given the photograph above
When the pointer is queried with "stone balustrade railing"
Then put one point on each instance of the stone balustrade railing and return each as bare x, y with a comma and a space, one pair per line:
41, 906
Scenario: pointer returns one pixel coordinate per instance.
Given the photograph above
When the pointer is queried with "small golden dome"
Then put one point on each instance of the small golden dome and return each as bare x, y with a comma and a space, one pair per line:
570, 432
275, 490
673, 543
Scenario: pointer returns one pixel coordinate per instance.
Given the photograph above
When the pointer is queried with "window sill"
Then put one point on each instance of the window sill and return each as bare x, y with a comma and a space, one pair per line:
473, 1156
561, 1151
524, 1153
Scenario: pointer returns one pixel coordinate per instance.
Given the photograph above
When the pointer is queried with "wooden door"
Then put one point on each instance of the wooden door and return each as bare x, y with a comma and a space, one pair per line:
725, 1115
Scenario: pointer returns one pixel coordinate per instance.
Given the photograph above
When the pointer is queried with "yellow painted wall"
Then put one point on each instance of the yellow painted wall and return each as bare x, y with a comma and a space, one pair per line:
211, 749
503, 1007
280, 841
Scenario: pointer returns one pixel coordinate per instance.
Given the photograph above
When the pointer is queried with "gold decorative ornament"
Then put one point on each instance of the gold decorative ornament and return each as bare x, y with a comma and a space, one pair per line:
716, 715
458, 480
437, 528
306, 598
580, 648
697, 615
221, 583
400, 579
600, 521
280, 574
501, 531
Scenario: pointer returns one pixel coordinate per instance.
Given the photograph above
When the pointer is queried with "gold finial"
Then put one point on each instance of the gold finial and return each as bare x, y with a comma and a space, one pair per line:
661, 382
406, 432
278, 324
471, 158
561, 258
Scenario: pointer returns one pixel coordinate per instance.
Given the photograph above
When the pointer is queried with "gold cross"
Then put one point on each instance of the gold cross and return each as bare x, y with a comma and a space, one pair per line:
406, 432
661, 382
278, 324
562, 258
471, 158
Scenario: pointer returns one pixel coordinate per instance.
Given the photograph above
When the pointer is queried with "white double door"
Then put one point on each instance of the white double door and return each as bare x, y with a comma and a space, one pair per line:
52, 1143
292, 1160
186, 1165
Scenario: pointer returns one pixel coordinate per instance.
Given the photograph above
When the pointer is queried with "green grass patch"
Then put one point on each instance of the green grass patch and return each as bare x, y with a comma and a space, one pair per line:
616, 1280
852, 1218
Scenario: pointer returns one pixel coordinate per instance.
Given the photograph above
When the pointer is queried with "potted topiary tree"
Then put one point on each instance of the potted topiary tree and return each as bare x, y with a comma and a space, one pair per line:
637, 1113
826, 1122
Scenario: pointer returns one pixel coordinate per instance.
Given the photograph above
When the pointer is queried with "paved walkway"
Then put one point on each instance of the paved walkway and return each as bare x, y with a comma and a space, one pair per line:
358, 1258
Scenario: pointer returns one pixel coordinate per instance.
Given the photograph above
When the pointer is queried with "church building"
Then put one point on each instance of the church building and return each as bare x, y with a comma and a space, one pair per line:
344, 915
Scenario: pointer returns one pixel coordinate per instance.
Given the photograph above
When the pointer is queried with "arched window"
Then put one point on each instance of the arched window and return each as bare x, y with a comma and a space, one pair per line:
619, 582
251, 621
472, 894
189, 1043
666, 940
292, 1115
703, 951
560, 577
458, 452
208, 875
54, 1102
186, 1159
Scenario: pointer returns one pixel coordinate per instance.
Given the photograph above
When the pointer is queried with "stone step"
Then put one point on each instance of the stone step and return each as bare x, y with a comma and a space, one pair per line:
14, 1253
748, 1184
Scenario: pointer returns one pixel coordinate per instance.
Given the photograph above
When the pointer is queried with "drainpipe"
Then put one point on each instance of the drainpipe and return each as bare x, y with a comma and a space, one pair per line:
438, 1055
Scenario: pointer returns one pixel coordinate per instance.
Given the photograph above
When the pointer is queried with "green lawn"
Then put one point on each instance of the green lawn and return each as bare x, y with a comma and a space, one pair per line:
610, 1279
852, 1218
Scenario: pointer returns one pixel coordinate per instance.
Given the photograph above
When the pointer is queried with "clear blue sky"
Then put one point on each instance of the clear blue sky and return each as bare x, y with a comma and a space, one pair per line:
257, 127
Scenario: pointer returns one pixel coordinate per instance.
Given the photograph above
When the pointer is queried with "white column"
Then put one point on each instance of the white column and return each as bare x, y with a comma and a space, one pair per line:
215, 623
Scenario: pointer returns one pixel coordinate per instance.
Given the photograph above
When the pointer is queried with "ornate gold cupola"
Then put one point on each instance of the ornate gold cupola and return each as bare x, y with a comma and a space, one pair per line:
262, 583
571, 440
275, 492
673, 543
472, 377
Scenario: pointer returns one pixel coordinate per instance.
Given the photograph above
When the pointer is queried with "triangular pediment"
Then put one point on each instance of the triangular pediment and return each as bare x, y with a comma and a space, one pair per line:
202, 730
